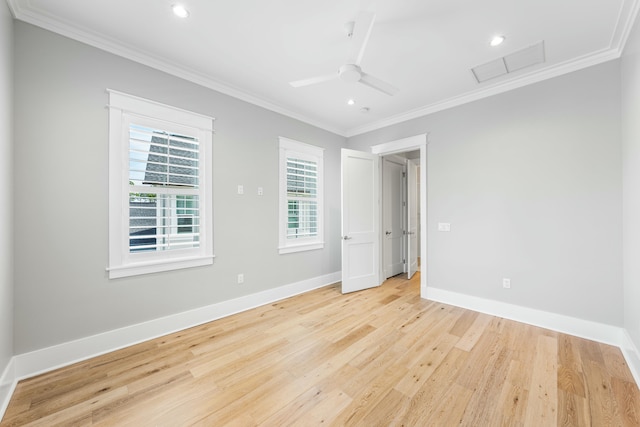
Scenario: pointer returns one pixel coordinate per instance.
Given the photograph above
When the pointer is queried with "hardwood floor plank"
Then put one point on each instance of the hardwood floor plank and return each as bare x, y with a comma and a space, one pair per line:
615, 363
451, 408
380, 357
542, 405
473, 334
426, 399
513, 397
572, 409
627, 400
602, 406
389, 412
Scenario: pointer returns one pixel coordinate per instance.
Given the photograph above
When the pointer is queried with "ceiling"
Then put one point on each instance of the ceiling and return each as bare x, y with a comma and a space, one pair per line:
252, 49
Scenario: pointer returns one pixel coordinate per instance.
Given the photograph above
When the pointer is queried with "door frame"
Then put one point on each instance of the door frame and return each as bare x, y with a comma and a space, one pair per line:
412, 143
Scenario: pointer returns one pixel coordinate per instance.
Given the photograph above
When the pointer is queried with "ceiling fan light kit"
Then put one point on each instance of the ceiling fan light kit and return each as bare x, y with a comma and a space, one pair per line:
359, 32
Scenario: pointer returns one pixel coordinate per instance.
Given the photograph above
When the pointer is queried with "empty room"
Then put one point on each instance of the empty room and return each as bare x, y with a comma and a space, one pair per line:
358, 212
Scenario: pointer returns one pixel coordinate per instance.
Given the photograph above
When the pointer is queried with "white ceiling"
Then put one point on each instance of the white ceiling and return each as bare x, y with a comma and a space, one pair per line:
251, 49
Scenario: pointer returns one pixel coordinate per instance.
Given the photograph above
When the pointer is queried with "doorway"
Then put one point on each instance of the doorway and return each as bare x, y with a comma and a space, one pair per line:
394, 204
362, 231
400, 214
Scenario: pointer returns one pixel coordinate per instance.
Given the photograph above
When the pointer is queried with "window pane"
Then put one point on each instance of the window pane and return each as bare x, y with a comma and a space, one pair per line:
302, 178
159, 222
159, 158
302, 219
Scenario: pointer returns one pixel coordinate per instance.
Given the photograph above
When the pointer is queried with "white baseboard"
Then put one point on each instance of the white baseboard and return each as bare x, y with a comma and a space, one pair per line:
8, 382
594, 331
632, 356
29, 364
607, 334
600, 332
47, 359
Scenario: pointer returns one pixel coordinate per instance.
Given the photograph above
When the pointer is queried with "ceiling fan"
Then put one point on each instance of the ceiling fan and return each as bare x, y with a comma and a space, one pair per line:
359, 32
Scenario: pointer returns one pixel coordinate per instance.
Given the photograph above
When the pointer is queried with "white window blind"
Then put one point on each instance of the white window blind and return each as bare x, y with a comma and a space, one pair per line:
160, 193
164, 211
302, 192
301, 197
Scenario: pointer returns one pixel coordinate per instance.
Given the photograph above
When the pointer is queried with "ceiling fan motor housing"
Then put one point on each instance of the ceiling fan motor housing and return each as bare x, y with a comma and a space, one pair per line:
350, 73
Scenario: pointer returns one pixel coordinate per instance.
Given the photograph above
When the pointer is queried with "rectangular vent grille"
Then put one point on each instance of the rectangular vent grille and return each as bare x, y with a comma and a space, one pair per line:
515, 61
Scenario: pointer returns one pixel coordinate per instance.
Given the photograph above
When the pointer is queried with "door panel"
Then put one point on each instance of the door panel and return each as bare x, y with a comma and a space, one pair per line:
412, 218
392, 215
360, 221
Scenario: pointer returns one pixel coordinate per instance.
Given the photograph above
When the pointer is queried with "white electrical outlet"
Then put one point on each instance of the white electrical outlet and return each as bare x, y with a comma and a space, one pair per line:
240, 189
506, 283
240, 278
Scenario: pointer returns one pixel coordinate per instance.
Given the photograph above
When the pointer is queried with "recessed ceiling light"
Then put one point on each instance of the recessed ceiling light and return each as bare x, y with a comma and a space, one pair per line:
180, 11
351, 102
497, 40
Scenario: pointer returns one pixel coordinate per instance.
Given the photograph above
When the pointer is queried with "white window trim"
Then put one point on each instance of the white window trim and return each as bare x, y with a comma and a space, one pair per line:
308, 152
121, 263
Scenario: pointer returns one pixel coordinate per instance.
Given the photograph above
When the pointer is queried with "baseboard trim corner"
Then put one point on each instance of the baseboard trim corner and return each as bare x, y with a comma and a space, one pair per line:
47, 359
632, 356
600, 332
8, 382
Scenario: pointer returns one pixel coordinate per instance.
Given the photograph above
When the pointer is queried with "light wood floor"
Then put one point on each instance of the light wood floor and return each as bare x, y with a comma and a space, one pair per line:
374, 358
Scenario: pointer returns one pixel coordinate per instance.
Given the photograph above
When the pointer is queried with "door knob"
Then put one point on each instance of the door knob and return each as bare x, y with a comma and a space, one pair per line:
387, 232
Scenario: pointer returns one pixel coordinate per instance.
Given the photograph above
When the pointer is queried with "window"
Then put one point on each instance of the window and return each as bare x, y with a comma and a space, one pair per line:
301, 209
160, 196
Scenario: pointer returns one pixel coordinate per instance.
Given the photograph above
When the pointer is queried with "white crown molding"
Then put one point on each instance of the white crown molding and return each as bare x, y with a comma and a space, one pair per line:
495, 89
129, 52
626, 19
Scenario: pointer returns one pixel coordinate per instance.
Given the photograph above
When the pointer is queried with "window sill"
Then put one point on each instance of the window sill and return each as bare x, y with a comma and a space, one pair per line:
157, 266
300, 247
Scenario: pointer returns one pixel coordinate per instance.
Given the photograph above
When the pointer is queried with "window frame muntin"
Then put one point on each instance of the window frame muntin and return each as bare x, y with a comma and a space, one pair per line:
307, 152
121, 264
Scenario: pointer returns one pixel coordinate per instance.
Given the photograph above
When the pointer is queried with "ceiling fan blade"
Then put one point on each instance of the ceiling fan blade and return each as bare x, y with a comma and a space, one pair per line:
360, 37
376, 83
314, 80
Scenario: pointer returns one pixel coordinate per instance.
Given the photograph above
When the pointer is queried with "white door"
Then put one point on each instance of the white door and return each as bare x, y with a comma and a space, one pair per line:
360, 221
412, 218
393, 169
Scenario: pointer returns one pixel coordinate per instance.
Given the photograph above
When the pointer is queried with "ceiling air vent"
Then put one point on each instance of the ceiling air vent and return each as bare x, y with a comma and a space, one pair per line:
523, 58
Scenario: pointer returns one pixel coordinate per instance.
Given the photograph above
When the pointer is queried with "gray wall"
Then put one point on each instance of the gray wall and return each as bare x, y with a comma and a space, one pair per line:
61, 289
631, 183
6, 188
530, 181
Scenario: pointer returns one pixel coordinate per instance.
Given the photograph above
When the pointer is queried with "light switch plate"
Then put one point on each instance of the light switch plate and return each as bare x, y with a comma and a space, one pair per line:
444, 226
